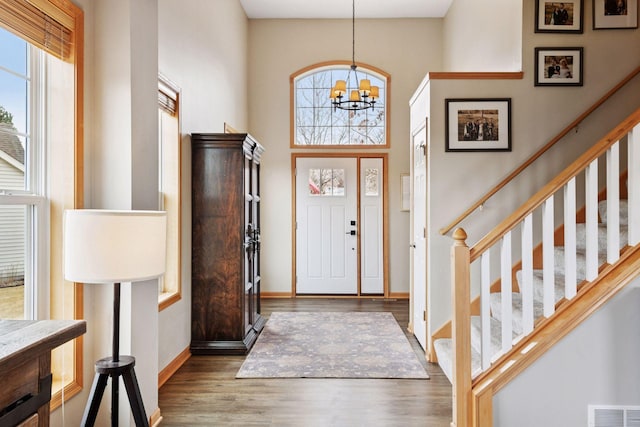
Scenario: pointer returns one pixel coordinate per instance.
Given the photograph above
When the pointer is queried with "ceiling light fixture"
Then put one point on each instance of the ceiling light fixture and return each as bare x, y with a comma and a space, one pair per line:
365, 95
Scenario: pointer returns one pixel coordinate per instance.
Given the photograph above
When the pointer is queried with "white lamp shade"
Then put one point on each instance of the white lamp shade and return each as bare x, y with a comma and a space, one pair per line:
104, 246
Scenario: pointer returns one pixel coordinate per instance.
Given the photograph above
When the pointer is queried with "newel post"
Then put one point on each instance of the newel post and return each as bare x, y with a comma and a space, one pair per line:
461, 329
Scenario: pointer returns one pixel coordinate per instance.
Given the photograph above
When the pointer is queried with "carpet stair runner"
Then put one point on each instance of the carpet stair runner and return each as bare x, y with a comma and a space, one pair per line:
443, 347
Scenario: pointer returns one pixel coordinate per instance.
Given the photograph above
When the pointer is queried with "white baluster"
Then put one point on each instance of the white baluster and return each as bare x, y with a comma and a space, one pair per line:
613, 203
526, 289
548, 262
485, 309
506, 289
591, 206
570, 239
633, 185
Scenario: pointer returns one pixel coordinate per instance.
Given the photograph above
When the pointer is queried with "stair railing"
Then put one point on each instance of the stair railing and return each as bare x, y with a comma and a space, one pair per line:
467, 275
481, 201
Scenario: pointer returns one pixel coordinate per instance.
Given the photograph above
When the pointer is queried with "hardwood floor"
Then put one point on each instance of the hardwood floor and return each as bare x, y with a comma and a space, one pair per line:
204, 391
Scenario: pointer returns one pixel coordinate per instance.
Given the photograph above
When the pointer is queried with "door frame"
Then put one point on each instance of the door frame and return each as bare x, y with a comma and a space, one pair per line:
385, 219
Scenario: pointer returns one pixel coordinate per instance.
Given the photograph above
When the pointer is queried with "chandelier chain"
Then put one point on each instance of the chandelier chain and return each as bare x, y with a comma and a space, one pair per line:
362, 96
353, 32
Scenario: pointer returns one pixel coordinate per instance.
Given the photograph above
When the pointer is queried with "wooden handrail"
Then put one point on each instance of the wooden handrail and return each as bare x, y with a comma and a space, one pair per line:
576, 167
539, 153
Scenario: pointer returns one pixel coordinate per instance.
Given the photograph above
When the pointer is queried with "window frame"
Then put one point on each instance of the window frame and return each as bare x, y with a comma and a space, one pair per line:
36, 223
362, 67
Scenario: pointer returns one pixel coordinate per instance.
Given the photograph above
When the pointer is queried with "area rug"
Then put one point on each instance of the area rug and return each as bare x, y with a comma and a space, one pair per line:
332, 345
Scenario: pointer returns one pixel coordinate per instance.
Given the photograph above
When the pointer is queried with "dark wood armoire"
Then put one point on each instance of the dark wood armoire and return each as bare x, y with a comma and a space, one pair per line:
225, 256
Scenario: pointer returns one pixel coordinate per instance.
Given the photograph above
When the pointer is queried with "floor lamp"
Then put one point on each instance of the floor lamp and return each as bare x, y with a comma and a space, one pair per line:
102, 246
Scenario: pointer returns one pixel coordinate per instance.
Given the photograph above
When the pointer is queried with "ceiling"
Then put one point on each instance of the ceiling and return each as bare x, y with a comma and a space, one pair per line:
308, 9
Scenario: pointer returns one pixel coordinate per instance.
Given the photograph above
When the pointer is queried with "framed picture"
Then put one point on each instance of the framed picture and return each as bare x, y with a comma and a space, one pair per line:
615, 14
559, 17
405, 188
558, 66
478, 124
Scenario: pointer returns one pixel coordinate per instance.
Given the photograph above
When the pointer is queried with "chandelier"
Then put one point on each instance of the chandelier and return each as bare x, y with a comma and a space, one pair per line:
359, 99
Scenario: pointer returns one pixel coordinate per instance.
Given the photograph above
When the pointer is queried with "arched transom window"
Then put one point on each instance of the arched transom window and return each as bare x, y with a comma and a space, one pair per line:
316, 123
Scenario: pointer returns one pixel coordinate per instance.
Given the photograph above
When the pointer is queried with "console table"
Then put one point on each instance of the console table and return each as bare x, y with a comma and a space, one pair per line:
25, 367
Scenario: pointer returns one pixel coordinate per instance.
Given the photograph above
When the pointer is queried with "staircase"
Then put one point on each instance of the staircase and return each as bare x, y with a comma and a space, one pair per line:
443, 346
523, 308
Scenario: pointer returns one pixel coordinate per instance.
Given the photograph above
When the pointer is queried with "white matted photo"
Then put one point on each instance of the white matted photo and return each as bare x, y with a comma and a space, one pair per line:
609, 14
559, 16
405, 190
558, 66
478, 124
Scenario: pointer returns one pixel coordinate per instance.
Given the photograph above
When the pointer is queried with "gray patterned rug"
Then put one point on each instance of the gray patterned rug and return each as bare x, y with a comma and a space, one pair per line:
332, 345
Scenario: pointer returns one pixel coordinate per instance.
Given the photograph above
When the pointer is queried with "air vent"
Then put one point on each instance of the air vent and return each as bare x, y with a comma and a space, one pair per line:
614, 416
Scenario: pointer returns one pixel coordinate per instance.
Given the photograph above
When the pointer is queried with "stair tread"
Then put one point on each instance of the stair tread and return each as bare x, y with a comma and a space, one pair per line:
444, 350
581, 236
538, 284
516, 311
624, 211
495, 333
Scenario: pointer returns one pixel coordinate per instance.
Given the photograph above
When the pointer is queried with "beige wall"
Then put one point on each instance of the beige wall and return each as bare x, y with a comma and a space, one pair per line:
483, 36
404, 48
203, 49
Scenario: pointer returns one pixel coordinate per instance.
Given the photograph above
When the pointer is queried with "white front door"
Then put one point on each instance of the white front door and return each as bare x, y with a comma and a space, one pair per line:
326, 226
419, 241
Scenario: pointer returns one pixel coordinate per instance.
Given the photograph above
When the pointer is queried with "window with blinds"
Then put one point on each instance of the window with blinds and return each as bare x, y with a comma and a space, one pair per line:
169, 185
43, 140
35, 25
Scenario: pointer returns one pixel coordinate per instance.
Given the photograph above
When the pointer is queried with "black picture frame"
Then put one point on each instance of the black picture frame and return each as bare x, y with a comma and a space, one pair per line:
477, 124
559, 16
615, 14
558, 66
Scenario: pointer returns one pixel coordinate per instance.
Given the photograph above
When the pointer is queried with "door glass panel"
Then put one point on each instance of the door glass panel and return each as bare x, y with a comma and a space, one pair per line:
337, 179
371, 182
326, 182
314, 182
12, 261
